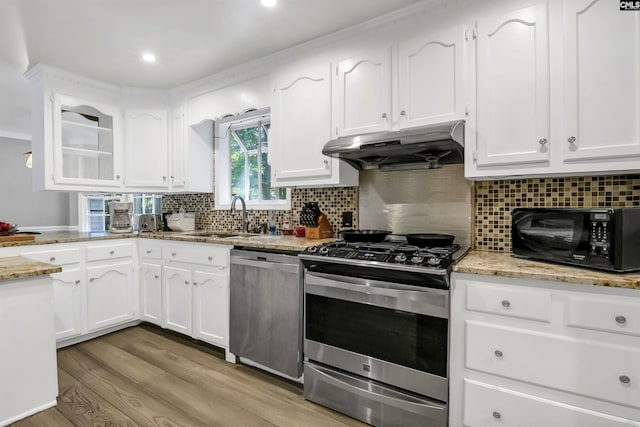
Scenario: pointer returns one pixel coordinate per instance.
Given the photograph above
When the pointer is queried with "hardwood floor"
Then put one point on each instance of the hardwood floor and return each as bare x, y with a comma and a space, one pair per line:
143, 377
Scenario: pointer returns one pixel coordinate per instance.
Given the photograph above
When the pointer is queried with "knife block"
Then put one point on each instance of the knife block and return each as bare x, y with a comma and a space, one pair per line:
322, 231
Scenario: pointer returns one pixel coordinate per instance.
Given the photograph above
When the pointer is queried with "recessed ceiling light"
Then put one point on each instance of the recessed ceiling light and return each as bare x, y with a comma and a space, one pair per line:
148, 57
268, 3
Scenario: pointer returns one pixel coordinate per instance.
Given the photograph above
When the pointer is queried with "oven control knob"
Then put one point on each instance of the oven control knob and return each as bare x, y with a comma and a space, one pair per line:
313, 249
433, 261
323, 251
400, 258
417, 259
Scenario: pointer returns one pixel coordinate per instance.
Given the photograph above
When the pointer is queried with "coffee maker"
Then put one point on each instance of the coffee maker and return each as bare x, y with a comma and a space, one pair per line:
121, 217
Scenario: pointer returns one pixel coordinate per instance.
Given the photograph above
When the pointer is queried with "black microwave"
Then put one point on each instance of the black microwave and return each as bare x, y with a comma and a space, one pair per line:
607, 239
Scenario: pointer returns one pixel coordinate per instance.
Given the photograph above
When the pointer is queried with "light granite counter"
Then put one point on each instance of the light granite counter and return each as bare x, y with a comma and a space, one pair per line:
49, 237
504, 265
17, 267
258, 241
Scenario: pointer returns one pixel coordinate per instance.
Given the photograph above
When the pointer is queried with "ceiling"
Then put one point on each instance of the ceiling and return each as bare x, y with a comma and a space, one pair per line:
191, 38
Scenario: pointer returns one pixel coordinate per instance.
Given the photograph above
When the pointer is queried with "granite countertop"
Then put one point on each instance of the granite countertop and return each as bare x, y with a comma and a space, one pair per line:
49, 237
17, 267
504, 265
258, 241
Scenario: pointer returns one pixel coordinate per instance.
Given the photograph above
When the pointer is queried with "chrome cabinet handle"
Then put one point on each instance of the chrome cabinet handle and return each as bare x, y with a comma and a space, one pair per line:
621, 320
164, 178
403, 113
186, 282
505, 303
624, 379
542, 141
498, 353
195, 284
148, 251
112, 252
210, 258
52, 258
497, 415
117, 176
173, 177
77, 282
92, 279
571, 139
173, 254
156, 277
384, 115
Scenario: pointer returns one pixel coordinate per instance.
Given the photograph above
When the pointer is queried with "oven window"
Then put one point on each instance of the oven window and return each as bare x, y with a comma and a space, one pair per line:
408, 339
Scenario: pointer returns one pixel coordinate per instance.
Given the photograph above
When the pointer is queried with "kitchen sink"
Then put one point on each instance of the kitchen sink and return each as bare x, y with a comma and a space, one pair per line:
216, 235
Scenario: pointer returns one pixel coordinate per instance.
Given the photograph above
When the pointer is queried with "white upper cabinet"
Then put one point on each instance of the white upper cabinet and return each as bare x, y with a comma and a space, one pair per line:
431, 78
363, 93
511, 123
85, 144
301, 126
146, 149
601, 67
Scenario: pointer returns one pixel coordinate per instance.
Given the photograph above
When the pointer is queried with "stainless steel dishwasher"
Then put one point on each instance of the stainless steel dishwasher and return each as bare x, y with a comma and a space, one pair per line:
266, 310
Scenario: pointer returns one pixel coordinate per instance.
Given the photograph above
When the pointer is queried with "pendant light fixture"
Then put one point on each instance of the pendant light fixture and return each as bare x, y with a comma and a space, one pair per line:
29, 158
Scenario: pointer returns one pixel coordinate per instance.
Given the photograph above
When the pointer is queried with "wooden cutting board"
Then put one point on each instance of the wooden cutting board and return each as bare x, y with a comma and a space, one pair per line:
17, 238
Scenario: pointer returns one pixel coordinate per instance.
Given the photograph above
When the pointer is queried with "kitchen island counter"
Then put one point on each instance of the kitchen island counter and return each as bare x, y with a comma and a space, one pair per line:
20, 267
504, 265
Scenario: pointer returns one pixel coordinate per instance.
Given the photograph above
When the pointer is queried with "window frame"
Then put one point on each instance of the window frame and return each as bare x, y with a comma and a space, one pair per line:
84, 212
223, 129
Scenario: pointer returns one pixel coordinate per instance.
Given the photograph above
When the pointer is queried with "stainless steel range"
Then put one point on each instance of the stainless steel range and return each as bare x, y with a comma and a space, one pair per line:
376, 330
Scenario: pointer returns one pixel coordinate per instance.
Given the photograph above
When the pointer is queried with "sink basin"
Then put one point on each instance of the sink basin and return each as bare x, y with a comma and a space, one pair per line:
216, 235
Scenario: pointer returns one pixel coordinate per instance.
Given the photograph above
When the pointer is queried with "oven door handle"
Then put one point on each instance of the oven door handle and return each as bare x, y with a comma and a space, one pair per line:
407, 403
428, 301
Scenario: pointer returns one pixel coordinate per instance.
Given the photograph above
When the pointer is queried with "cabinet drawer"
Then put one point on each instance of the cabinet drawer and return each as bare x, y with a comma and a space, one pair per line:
486, 405
106, 252
605, 314
151, 250
588, 368
202, 254
57, 257
529, 304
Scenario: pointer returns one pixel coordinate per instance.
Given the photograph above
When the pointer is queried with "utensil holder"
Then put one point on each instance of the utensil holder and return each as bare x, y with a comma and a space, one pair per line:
322, 231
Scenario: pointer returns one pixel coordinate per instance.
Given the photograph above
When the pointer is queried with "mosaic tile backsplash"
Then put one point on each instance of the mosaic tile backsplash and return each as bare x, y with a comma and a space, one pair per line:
332, 202
494, 201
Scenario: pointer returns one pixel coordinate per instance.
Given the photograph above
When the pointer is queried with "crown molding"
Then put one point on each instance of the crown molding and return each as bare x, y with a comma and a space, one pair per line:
47, 72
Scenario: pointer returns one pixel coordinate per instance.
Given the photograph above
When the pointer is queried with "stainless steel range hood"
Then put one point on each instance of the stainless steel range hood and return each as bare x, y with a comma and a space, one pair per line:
425, 147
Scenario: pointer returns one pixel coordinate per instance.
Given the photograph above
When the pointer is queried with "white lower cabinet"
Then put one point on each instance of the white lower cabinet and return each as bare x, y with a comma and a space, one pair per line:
196, 295
67, 303
109, 295
536, 353
151, 293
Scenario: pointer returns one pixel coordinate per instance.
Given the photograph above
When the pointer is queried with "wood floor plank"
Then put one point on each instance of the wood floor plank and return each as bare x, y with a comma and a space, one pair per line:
223, 386
84, 408
145, 376
172, 388
144, 408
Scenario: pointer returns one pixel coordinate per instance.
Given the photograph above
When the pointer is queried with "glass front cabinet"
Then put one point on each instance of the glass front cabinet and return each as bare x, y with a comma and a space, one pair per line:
86, 143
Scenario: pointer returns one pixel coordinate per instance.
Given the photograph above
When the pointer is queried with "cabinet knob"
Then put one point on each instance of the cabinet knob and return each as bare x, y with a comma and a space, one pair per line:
112, 252
384, 115
326, 164
403, 113
156, 277
173, 254
625, 379
497, 415
52, 258
77, 282
117, 176
542, 141
210, 258
172, 177
148, 251
92, 279
498, 353
186, 282
195, 284
505, 303
164, 178
621, 320
571, 139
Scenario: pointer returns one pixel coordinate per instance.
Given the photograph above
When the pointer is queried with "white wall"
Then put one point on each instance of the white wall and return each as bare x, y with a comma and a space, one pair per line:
19, 204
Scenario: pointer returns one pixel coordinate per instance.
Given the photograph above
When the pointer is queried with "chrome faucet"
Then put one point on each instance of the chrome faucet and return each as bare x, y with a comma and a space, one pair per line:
245, 219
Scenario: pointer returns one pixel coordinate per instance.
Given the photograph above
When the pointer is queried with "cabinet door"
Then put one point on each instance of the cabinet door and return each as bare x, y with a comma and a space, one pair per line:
302, 124
109, 295
431, 82
601, 80
363, 93
85, 143
211, 307
176, 313
511, 123
146, 149
176, 173
151, 293
67, 303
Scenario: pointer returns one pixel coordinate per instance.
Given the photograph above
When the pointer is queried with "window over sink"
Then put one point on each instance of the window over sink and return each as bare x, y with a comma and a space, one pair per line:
242, 162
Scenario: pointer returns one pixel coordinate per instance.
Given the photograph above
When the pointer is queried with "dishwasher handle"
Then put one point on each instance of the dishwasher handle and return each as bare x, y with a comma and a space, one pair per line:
264, 262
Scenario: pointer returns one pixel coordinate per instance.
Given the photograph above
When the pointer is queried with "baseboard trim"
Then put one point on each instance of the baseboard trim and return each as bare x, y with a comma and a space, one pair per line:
28, 413
86, 337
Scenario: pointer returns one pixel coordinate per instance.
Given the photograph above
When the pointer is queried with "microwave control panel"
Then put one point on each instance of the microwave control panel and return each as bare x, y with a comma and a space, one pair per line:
600, 236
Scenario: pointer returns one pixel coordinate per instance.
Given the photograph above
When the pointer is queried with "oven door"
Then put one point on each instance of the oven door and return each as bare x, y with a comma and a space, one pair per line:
393, 333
